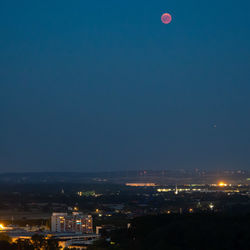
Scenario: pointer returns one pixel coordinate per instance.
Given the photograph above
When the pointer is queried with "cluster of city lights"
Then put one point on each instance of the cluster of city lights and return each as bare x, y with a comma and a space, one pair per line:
222, 184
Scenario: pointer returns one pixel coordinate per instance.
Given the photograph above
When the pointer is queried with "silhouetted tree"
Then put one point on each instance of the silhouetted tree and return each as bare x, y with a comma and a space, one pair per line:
38, 241
24, 244
5, 245
52, 244
5, 237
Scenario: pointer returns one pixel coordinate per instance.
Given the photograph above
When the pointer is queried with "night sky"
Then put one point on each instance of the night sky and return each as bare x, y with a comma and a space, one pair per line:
105, 85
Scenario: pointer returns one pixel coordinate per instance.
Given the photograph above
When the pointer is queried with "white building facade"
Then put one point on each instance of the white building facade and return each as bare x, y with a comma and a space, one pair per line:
75, 222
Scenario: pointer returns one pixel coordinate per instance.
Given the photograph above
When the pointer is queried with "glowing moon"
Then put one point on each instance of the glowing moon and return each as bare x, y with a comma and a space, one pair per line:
166, 18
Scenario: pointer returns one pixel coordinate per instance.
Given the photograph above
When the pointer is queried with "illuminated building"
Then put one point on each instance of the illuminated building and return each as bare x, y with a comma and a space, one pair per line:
76, 222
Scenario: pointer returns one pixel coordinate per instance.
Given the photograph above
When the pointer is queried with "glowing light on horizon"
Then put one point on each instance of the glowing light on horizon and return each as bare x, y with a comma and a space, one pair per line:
141, 184
222, 184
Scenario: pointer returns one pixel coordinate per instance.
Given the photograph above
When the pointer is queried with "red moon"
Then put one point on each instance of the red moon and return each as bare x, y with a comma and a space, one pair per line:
166, 18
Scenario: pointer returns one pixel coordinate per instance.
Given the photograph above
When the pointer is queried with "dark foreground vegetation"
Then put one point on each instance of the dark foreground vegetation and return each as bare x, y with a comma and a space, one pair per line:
163, 232
182, 232
37, 242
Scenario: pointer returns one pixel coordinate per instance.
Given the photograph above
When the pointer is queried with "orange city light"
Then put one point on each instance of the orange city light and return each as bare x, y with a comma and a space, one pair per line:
222, 184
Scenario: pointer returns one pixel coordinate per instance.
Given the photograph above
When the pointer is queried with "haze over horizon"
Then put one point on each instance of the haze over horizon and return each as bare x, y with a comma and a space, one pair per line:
106, 86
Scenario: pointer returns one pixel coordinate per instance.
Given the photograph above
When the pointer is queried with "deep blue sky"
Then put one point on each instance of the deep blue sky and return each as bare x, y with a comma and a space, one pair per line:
104, 85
